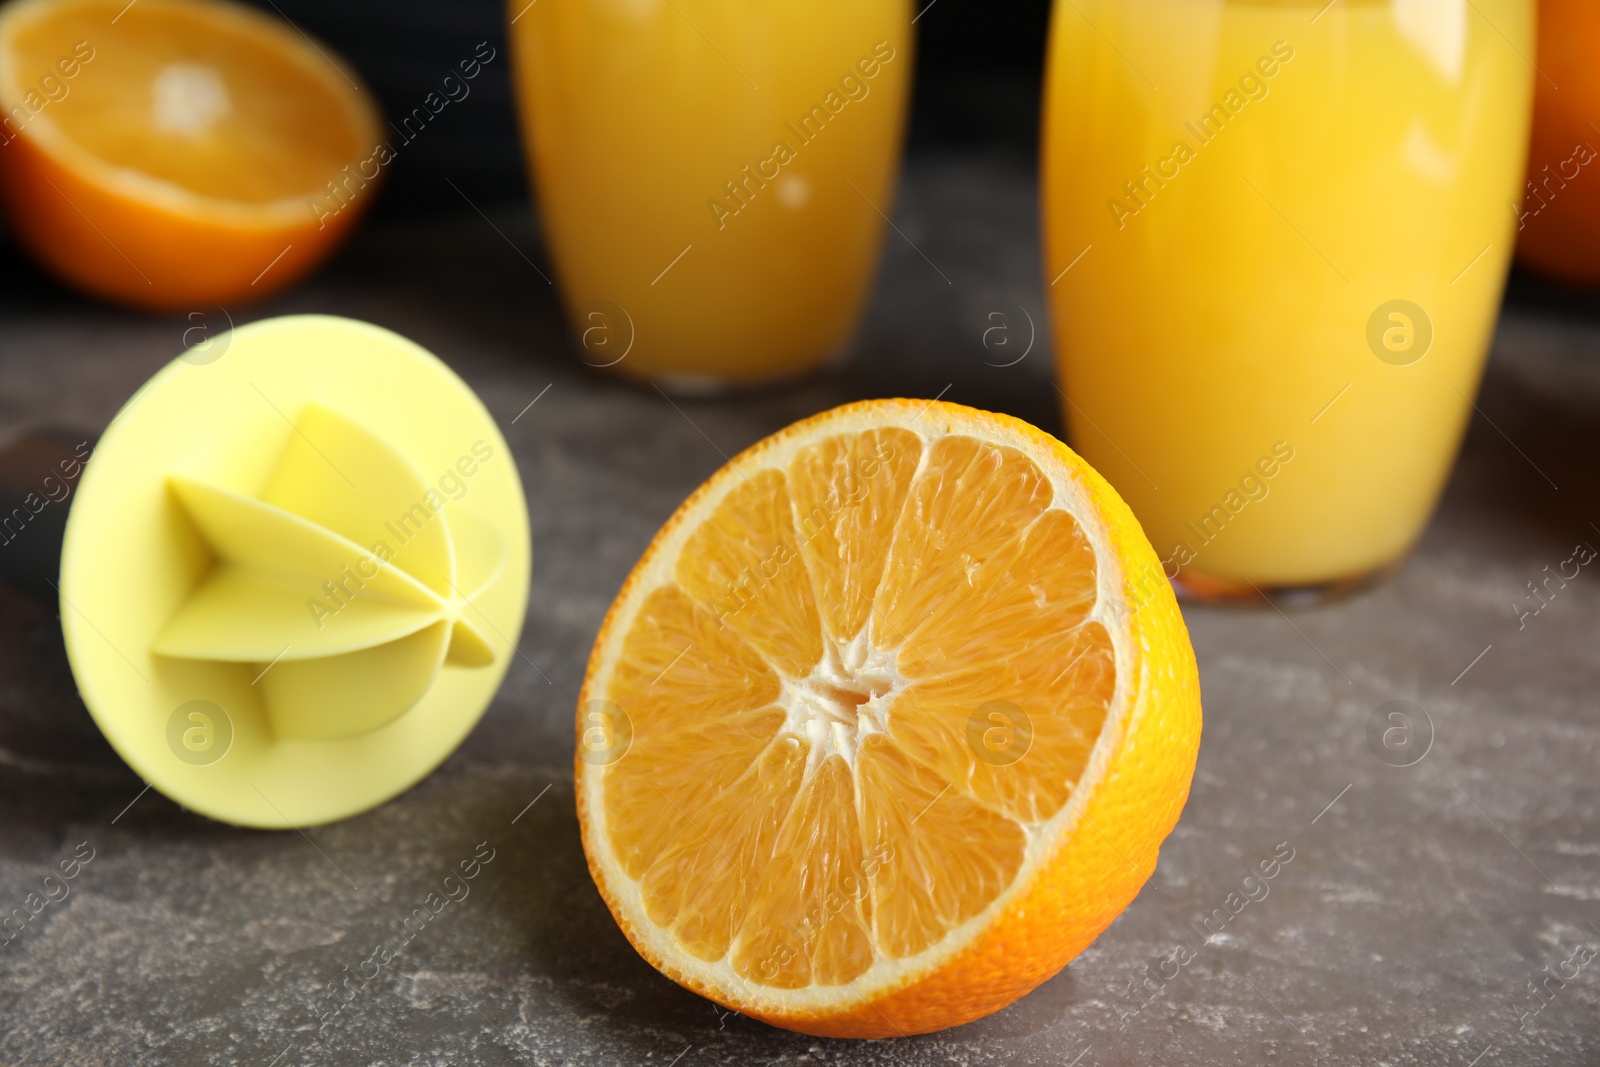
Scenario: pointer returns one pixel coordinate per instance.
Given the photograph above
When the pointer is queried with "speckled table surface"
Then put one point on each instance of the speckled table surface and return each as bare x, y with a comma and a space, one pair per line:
1419, 907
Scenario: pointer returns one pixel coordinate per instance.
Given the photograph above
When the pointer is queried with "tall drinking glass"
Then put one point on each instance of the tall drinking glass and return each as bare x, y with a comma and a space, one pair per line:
1276, 237
713, 175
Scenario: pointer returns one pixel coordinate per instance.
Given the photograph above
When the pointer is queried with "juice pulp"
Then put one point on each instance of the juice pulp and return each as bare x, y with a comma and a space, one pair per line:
713, 176
1251, 186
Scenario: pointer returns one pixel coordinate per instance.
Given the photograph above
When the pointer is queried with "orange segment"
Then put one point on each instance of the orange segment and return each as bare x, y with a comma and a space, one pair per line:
739, 788
960, 529
1048, 717
681, 668
848, 493
809, 913
927, 881
904, 738
169, 152
741, 566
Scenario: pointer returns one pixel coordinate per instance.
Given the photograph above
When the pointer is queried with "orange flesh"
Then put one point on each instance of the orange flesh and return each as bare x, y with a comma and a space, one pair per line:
207, 104
809, 696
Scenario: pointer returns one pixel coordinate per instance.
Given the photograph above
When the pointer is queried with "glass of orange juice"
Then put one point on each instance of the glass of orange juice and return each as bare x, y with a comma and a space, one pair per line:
713, 176
1276, 237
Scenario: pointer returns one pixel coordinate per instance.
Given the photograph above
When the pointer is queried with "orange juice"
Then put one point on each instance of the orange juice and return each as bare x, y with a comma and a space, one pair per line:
713, 176
1276, 237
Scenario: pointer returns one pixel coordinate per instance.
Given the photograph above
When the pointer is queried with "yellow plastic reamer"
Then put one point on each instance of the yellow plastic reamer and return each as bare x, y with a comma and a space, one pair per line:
294, 572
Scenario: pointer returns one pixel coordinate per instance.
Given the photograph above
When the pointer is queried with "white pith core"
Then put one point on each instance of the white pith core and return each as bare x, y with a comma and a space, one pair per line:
844, 700
187, 99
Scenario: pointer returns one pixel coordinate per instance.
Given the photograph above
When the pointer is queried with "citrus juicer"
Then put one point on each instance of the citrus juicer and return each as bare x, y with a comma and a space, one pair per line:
294, 571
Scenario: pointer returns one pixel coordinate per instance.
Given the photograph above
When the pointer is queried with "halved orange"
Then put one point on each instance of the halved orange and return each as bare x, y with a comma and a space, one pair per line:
888, 723
1558, 209
178, 154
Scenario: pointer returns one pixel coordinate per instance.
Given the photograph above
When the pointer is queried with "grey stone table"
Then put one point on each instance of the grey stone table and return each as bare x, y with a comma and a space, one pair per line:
1419, 905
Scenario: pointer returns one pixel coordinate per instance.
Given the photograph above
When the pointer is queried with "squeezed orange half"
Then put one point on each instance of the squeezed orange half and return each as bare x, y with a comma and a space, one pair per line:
178, 154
